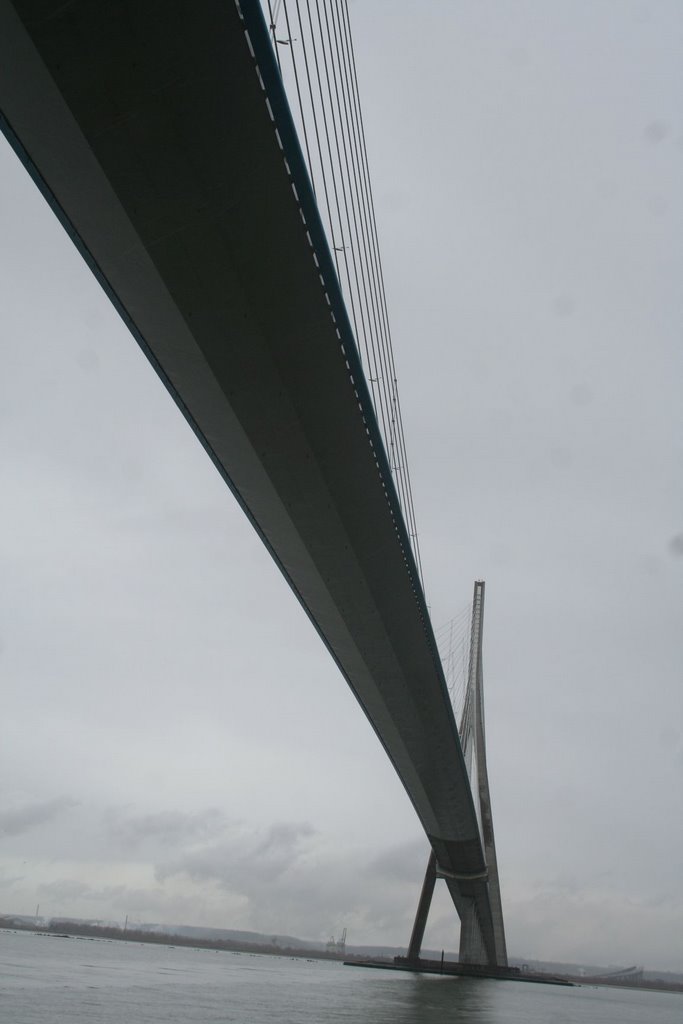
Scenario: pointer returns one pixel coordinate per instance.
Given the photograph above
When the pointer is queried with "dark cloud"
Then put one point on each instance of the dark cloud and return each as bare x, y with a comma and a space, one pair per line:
403, 863
656, 131
168, 828
71, 892
676, 545
245, 859
8, 881
16, 821
288, 880
64, 889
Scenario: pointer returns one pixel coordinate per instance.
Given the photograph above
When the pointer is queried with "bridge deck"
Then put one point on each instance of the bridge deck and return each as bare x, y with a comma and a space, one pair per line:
151, 137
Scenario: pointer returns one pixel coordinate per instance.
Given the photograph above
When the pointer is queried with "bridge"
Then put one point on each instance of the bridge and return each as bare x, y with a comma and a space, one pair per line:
163, 139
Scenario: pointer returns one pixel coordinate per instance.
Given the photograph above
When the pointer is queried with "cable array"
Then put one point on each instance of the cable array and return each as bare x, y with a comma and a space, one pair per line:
315, 55
453, 642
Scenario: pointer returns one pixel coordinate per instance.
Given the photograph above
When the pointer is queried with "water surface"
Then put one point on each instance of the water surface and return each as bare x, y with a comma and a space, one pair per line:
46, 979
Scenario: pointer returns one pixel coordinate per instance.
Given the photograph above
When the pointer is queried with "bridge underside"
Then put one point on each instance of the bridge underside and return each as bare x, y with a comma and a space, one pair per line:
148, 130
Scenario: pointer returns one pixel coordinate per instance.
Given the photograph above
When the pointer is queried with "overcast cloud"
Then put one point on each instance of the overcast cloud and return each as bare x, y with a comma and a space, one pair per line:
17, 820
175, 744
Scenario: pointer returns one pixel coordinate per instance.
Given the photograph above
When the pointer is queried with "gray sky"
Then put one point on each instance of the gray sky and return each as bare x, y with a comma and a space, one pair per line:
175, 743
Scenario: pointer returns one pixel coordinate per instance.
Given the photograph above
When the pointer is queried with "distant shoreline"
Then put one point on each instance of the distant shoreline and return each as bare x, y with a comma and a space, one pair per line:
72, 929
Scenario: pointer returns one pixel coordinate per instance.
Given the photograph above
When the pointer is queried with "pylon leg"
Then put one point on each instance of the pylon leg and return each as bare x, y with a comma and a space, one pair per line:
423, 910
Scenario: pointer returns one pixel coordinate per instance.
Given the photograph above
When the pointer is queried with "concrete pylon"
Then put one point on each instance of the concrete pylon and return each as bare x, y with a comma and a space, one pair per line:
473, 739
469, 942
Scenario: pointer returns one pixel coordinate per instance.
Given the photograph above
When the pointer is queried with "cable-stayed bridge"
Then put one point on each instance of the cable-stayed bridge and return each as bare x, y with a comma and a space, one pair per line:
164, 141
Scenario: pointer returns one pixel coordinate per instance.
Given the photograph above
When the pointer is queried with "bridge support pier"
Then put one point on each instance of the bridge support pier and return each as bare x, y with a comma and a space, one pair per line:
422, 910
471, 950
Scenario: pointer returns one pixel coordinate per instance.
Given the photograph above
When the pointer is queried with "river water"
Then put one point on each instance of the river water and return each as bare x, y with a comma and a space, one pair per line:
47, 979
